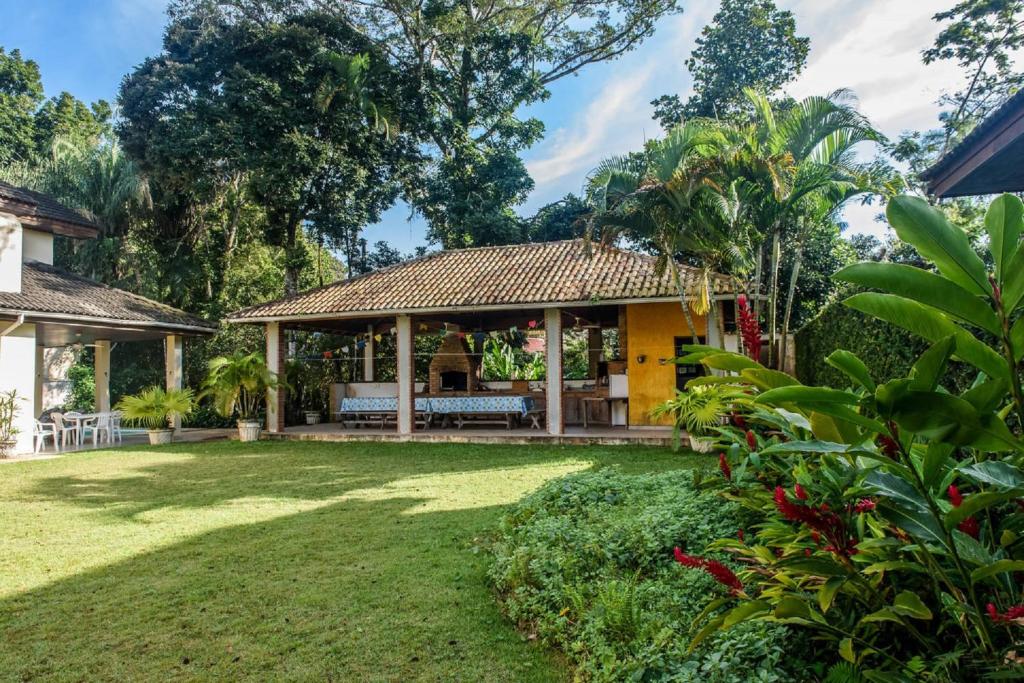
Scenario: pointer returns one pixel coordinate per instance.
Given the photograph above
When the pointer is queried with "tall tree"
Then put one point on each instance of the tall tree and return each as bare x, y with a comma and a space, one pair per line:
279, 96
21, 93
473, 66
748, 44
982, 36
561, 220
65, 116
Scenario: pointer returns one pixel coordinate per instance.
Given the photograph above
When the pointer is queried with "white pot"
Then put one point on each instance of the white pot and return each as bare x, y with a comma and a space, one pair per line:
7, 447
312, 417
701, 445
158, 437
248, 430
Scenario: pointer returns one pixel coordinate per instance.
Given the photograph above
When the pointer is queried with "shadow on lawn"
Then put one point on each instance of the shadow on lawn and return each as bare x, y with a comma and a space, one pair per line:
356, 589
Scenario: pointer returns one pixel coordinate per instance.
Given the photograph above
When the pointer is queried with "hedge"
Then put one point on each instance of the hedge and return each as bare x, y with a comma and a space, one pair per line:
889, 351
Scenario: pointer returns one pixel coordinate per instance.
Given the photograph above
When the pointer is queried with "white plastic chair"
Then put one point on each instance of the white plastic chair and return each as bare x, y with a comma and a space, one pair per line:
40, 432
115, 426
65, 430
101, 424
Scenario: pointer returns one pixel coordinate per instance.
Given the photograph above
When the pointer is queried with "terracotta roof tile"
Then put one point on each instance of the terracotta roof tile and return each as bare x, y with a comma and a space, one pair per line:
515, 275
46, 289
43, 206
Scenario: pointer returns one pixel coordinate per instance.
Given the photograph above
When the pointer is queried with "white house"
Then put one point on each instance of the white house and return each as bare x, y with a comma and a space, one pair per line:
44, 307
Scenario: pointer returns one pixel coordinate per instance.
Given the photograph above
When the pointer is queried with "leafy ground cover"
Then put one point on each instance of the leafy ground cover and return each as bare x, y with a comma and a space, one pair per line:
586, 563
295, 561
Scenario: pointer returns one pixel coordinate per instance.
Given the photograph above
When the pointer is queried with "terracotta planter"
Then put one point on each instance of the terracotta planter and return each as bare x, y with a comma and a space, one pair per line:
248, 430
312, 417
158, 437
701, 444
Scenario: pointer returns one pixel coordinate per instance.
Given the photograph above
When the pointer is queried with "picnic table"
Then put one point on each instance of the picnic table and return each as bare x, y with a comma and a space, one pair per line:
504, 410
377, 411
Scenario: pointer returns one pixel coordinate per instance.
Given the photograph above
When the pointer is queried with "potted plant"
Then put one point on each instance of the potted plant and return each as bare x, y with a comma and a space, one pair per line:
155, 408
700, 410
8, 432
238, 385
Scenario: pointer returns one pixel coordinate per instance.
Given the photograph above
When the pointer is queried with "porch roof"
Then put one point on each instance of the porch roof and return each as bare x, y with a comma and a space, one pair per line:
51, 295
540, 275
42, 212
987, 161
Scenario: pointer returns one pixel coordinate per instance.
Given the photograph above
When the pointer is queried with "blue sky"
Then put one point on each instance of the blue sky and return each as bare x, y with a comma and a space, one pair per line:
871, 46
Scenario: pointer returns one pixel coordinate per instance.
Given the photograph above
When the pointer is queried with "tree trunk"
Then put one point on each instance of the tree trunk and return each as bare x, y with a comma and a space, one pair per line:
773, 299
682, 298
789, 306
755, 304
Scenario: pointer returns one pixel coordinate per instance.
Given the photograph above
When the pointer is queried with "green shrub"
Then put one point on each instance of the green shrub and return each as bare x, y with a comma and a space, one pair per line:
889, 350
586, 563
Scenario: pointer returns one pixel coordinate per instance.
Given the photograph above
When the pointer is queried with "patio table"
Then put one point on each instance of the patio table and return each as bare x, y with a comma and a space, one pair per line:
377, 409
83, 420
489, 409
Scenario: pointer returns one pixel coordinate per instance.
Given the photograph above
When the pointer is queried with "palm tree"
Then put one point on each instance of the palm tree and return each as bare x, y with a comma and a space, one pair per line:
654, 196
814, 140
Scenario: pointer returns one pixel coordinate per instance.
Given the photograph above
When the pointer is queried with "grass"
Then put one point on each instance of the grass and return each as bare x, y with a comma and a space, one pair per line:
270, 561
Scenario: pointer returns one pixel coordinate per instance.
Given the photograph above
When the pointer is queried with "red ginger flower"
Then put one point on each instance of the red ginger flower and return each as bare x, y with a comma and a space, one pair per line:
738, 420
865, 505
954, 496
888, 445
970, 525
723, 465
1015, 614
799, 492
821, 521
718, 571
751, 440
740, 535
750, 330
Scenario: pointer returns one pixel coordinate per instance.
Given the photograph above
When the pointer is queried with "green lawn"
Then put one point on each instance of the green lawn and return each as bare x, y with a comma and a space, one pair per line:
269, 561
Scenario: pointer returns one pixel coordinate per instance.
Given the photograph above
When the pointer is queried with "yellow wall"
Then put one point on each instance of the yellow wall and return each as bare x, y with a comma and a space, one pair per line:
651, 330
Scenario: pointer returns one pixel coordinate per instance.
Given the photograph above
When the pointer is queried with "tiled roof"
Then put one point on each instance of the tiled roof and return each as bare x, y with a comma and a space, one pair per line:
524, 274
996, 118
51, 292
45, 207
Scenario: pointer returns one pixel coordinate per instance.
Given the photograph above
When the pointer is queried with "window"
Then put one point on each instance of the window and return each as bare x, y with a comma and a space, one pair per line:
684, 373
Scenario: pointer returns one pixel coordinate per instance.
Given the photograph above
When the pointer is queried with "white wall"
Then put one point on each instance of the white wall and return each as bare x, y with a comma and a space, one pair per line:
38, 246
18, 372
11, 249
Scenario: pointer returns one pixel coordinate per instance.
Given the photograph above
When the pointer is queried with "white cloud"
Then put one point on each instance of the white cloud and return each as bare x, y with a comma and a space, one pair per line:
609, 124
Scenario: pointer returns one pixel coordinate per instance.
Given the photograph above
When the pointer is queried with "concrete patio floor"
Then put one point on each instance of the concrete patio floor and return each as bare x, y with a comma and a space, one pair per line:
131, 438
598, 435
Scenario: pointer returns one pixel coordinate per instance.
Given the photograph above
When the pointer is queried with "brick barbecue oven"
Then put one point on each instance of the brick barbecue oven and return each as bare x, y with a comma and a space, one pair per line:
452, 368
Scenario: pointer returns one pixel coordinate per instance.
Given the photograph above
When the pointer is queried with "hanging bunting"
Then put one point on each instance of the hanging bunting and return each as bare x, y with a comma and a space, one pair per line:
360, 344
328, 354
394, 331
378, 337
478, 339
344, 349
423, 327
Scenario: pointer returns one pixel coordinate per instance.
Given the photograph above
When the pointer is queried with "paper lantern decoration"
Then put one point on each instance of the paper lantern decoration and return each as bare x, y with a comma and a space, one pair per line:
478, 338
360, 345
423, 327
394, 330
378, 337
344, 349
532, 324
328, 354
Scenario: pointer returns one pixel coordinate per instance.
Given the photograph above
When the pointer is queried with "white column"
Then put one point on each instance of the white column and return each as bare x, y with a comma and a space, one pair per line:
369, 351
102, 370
18, 372
553, 356
275, 397
173, 367
11, 254
406, 376
37, 398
